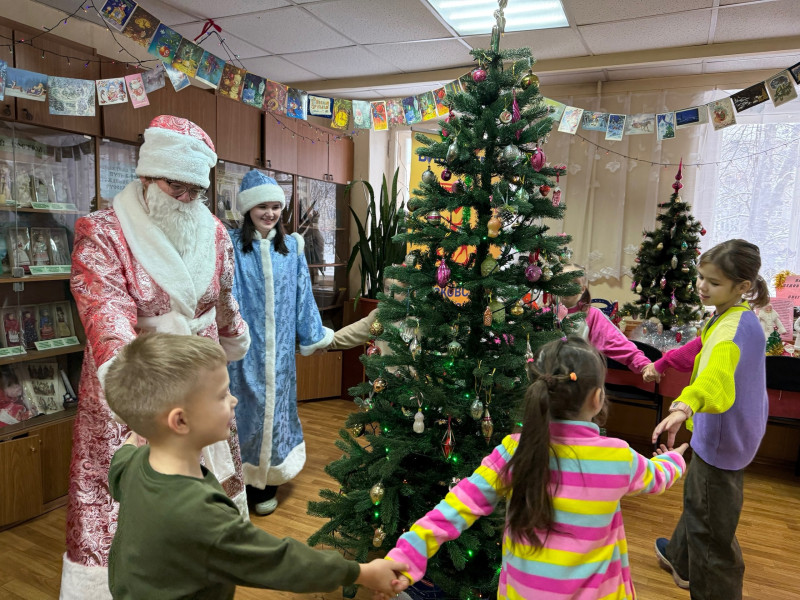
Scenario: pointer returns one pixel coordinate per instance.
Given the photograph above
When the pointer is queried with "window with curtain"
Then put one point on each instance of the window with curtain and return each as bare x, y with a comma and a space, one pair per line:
753, 189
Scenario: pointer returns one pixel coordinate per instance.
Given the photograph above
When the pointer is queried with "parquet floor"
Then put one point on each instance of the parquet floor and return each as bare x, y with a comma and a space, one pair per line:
30, 554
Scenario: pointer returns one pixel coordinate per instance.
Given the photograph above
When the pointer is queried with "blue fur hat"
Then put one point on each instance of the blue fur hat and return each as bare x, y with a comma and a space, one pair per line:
256, 189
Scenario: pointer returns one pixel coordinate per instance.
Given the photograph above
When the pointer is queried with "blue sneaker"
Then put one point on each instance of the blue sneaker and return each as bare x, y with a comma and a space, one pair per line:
661, 553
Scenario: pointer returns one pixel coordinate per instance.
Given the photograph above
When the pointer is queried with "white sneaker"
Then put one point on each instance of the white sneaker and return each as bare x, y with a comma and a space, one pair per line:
267, 507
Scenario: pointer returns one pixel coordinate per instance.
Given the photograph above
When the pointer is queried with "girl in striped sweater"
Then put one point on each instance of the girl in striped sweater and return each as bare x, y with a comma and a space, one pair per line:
563, 482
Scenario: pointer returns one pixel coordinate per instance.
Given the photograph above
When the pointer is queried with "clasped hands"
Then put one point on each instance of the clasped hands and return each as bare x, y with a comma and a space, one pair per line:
383, 578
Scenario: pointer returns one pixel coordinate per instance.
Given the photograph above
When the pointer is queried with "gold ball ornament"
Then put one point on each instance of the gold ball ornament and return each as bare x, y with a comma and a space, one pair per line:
528, 80
376, 493
376, 328
517, 309
380, 535
379, 385
357, 429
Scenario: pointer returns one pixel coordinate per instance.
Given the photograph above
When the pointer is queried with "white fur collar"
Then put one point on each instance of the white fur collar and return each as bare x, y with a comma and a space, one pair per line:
270, 235
185, 282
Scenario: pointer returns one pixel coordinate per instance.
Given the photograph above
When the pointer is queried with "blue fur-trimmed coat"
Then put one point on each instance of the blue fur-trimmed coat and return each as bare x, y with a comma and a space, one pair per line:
272, 289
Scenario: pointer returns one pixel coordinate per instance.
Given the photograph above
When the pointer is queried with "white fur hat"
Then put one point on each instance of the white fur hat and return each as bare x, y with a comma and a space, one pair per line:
175, 148
258, 188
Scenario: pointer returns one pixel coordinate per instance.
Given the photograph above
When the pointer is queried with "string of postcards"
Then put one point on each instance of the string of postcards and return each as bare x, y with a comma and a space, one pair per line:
180, 58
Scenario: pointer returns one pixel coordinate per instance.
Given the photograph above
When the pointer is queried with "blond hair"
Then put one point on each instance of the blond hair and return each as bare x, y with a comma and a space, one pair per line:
156, 372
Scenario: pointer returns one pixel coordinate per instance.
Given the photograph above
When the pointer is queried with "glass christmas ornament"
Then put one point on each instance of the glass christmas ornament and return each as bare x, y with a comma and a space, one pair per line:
639, 288
493, 226
454, 348
468, 180
510, 153
458, 187
547, 273
357, 429
428, 176
376, 328
446, 175
410, 260
378, 538
703, 231
376, 493
684, 268
633, 286
476, 409
544, 189
443, 274
487, 426
379, 385
529, 357
487, 317
678, 336
498, 311
663, 282
372, 349
488, 265
517, 309
433, 217
521, 195
528, 80
479, 75
452, 152
407, 332
556, 196
419, 422
413, 347
448, 441
659, 246
538, 159
684, 245
505, 117
674, 262
533, 273
656, 309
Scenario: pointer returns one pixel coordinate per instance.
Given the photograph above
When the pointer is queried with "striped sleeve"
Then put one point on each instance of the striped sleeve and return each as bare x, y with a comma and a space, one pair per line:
714, 388
472, 498
653, 476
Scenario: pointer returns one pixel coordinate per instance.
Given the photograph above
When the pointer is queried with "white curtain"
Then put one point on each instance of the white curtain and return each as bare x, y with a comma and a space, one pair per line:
753, 190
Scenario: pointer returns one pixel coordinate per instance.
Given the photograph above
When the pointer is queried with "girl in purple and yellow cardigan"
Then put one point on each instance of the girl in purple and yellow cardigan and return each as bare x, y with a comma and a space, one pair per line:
564, 538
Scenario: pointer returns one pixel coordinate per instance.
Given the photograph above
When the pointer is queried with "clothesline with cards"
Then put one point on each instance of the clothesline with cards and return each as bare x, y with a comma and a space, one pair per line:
180, 58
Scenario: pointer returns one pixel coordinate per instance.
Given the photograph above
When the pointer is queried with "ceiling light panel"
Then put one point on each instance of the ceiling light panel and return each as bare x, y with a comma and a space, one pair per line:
471, 17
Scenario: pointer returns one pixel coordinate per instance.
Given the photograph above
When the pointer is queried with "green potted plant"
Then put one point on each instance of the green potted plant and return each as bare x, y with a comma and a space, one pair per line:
376, 245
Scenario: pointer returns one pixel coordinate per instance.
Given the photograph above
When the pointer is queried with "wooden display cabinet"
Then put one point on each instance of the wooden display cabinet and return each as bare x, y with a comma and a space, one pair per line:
8, 106
280, 143
239, 133
47, 180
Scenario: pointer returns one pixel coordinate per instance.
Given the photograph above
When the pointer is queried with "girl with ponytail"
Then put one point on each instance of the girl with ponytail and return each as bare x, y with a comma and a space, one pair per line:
563, 483
725, 404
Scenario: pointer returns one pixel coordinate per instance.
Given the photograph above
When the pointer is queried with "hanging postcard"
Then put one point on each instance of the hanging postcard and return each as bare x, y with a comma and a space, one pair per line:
141, 27
72, 97
781, 88
3, 77
615, 128
210, 69
187, 58
296, 103
319, 106
275, 98
411, 109
253, 90
341, 113
379, 122
117, 12
440, 95
795, 71
111, 91
136, 90
750, 97
154, 78
721, 113
554, 109
594, 121
665, 126
26, 84
570, 120
394, 112
697, 115
178, 79
361, 114
640, 124
451, 89
427, 106
165, 44
232, 81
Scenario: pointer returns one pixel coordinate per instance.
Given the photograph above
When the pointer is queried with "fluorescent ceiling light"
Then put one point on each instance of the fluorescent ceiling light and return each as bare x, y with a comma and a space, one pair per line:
471, 17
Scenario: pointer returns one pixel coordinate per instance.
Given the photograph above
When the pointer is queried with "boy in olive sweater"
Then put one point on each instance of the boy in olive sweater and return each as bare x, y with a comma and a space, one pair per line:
178, 534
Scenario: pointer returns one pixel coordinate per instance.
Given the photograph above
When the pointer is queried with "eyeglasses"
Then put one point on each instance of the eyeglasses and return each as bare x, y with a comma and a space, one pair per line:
178, 189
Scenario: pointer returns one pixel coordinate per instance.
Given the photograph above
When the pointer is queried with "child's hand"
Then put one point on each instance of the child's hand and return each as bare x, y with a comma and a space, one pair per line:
404, 582
383, 576
649, 373
680, 449
671, 425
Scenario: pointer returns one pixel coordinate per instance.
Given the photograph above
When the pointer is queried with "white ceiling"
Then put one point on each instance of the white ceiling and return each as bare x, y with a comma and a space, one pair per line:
389, 48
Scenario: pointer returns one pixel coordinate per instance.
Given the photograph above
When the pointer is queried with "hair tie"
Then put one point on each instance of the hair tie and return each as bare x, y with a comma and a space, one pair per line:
573, 377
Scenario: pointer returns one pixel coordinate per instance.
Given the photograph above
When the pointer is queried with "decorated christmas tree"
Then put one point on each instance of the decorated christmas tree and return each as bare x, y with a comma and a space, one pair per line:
665, 269
448, 392
774, 344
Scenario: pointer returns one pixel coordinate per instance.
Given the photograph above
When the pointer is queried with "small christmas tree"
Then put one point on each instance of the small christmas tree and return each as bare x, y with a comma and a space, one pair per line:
774, 344
448, 393
665, 268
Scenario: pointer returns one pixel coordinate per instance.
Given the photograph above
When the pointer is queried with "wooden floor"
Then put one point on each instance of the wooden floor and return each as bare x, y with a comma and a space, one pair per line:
30, 554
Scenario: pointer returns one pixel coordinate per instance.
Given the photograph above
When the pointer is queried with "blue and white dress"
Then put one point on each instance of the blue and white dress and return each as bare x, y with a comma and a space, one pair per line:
272, 289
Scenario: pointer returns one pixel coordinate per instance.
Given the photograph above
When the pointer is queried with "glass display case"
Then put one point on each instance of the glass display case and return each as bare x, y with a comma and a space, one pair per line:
117, 169
47, 180
228, 181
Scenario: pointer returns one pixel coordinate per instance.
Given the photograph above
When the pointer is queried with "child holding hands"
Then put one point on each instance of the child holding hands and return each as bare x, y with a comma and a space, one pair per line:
564, 536
726, 406
178, 534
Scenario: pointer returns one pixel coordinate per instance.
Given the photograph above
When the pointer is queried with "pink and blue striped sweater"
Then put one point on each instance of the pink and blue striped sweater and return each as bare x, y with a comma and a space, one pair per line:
586, 555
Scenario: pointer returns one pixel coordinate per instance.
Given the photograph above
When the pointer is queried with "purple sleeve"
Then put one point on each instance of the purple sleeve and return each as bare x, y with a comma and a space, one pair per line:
681, 359
611, 342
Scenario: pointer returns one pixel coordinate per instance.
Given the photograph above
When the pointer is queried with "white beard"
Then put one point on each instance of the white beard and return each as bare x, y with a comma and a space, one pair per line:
178, 220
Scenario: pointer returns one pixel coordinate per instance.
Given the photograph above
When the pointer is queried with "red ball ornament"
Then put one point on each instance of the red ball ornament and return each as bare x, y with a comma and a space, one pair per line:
538, 159
703, 231
373, 349
444, 133
544, 190
446, 175
479, 75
